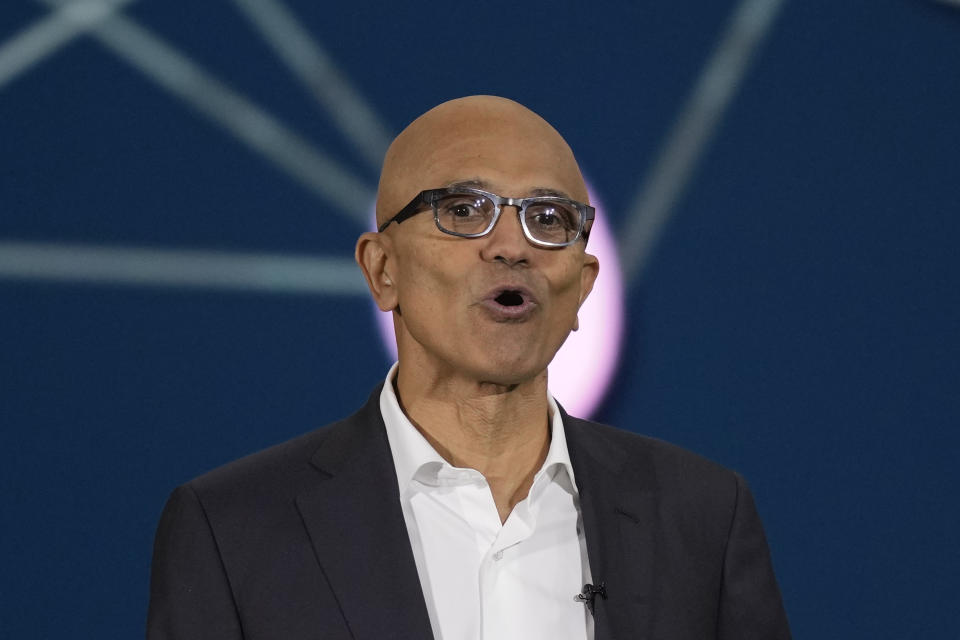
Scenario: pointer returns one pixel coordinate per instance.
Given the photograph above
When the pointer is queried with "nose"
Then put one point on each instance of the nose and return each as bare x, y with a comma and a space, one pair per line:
506, 242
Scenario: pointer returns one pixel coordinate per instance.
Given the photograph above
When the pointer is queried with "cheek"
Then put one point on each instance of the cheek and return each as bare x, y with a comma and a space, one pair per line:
428, 282
567, 285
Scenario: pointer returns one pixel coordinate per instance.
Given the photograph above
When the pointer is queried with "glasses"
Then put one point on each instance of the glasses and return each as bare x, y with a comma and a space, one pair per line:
547, 221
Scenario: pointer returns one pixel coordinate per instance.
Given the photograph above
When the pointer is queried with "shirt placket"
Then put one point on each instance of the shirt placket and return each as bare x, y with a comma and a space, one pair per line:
496, 586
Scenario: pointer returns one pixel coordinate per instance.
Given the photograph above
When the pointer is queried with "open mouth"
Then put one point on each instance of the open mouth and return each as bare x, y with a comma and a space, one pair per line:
510, 298
510, 305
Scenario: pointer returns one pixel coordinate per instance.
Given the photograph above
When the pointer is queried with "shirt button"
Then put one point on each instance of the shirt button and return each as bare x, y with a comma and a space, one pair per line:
498, 555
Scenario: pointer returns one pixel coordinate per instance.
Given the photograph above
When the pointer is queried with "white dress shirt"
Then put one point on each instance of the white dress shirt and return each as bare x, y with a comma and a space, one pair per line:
483, 580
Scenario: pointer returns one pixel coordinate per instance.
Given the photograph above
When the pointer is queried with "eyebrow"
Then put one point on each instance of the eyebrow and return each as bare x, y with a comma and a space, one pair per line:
477, 183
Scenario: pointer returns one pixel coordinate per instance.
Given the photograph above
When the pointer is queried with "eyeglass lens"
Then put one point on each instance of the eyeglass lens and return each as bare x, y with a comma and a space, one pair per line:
546, 220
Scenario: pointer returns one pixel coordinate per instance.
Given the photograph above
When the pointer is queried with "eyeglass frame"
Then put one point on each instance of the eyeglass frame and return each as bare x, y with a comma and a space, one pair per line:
431, 196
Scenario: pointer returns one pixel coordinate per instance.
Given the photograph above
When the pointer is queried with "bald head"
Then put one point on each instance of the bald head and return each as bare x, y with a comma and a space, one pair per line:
455, 323
487, 139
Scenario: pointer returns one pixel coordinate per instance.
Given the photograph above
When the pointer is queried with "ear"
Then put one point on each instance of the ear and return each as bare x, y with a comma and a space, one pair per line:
372, 254
588, 276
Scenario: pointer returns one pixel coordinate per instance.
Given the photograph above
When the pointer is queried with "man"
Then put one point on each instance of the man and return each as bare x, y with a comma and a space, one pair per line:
461, 501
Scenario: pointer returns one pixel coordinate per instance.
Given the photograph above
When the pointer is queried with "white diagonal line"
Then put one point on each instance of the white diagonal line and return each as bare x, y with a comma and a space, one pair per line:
316, 70
180, 268
47, 35
688, 139
252, 125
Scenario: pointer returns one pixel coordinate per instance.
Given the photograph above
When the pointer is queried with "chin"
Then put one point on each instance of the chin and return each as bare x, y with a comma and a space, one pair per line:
512, 370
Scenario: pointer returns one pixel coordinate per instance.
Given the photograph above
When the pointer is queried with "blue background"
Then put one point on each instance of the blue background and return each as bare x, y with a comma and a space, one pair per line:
798, 321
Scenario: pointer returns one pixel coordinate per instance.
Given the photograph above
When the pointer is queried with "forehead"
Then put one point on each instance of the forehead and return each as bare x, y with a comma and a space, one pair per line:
506, 147
508, 162
486, 185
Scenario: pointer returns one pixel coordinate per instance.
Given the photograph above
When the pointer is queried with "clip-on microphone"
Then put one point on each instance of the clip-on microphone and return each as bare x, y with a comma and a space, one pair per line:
589, 594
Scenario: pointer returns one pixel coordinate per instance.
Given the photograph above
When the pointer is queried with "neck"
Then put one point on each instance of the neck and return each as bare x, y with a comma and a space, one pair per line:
501, 431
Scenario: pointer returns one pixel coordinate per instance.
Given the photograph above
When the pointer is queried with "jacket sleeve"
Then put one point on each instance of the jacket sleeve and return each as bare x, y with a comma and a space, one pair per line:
190, 596
750, 603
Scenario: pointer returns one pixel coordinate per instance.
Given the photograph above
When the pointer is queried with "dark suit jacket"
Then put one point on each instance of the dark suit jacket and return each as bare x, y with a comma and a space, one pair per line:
307, 540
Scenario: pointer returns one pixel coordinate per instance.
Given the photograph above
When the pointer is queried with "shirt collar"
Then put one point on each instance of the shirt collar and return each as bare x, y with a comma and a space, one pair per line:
411, 451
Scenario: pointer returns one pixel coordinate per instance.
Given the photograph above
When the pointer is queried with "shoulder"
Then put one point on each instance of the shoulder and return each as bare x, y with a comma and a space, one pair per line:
654, 463
626, 446
276, 475
276, 466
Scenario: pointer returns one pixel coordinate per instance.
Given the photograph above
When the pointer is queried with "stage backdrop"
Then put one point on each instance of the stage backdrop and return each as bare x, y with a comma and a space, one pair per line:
181, 184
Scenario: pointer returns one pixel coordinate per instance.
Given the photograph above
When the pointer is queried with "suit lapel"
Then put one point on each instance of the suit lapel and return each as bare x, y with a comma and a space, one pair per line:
618, 506
357, 530
358, 533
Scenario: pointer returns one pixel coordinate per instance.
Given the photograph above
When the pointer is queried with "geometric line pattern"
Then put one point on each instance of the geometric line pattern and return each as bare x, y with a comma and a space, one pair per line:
182, 77
323, 175
315, 70
180, 268
690, 135
45, 36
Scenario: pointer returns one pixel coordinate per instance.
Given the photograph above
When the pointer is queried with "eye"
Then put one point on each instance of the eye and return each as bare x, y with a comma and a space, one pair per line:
464, 213
463, 206
463, 210
550, 215
547, 219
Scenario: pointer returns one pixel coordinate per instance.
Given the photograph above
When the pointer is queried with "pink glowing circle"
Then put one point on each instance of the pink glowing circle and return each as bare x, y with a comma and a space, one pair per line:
584, 366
